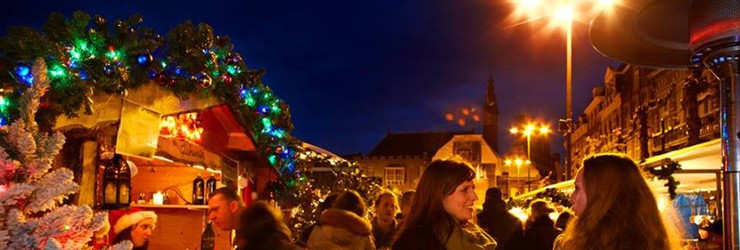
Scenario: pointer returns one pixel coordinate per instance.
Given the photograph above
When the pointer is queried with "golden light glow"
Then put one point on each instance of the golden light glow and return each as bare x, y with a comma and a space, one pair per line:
565, 15
184, 126
518, 162
550, 15
529, 3
530, 129
507, 162
544, 130
604, 4
514, 130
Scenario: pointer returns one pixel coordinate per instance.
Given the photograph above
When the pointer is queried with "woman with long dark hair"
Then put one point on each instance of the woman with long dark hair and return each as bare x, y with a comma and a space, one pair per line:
442, 209
615, 209
262, 228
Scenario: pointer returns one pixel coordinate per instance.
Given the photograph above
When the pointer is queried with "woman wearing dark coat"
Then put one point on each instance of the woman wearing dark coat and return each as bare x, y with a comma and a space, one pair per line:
262, 228
540, 231
442, 211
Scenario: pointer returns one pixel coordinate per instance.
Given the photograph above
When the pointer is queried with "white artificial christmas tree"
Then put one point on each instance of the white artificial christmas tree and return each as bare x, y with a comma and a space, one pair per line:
31, 191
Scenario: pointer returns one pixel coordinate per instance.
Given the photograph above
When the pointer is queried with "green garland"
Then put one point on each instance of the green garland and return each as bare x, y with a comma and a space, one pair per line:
87, 55
308, 188
665, 172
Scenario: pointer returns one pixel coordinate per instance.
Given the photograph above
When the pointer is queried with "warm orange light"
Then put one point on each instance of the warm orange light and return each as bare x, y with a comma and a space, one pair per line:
461, 122
507, 162
544, 130
528, 4
514, 130
449, 116
604, 4
527, 162
565, 15
518, 162
529, 128
184, 126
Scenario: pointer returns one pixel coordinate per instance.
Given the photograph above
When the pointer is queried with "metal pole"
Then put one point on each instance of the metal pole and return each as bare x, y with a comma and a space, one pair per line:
729, 76
529, 166
568, 98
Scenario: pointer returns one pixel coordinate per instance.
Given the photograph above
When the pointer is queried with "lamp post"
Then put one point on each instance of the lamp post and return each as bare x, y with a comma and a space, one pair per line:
527, 132
518, 162
562, 16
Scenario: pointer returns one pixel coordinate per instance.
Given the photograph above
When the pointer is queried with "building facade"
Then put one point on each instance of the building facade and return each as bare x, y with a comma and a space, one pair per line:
645, 112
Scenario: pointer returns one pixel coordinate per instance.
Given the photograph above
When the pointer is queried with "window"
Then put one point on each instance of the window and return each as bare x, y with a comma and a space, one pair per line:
394, 176
468, 150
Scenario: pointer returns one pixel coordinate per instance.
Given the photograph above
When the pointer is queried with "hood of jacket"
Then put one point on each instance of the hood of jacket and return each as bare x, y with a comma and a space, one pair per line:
349, 221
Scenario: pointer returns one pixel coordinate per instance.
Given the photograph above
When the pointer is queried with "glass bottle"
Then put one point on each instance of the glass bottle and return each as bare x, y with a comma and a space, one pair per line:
198, 189
207, 239
210, 186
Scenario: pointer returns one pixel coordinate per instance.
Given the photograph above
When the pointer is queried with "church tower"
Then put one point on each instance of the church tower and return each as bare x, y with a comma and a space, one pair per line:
490, 117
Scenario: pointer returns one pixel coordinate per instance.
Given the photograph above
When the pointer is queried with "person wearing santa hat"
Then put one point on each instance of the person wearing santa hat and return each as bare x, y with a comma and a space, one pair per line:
135, 225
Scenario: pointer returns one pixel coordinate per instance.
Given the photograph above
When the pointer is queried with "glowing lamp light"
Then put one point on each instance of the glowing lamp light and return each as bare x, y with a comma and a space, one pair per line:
519, 213
184, 126
158, 198
518, 162
461, 122
514, 130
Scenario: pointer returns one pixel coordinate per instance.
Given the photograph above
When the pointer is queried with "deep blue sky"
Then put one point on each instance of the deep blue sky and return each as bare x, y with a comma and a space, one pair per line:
353, 70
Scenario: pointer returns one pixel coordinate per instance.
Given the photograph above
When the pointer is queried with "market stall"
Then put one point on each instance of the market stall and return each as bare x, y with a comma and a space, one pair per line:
143, 116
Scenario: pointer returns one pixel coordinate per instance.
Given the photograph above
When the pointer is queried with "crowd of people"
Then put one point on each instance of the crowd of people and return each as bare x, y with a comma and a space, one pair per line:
613, 208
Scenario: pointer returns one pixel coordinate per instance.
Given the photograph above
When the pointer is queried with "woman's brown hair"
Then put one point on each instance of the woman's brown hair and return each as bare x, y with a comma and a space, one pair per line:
351, 201
621, 211
262, 226
439, 180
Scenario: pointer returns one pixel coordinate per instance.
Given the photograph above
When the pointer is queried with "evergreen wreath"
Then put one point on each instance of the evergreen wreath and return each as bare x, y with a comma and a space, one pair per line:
87, 54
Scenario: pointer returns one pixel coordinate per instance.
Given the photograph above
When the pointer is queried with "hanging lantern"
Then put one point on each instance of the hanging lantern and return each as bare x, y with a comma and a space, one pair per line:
116, 183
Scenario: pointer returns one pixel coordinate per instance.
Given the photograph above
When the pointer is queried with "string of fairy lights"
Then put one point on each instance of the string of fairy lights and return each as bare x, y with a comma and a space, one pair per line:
86, 55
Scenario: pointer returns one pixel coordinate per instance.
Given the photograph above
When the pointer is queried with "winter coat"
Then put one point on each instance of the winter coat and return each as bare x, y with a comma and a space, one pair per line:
501, 225
462, 238
276, 241
418, 239
341, 229
470, 237
384, 239
540, 234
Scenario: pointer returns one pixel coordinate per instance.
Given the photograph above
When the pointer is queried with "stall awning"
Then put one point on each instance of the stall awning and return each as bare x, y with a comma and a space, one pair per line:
699, 165
221, 132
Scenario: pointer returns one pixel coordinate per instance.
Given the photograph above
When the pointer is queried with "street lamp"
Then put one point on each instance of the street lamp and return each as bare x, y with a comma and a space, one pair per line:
518, 162
562, 15
527, 131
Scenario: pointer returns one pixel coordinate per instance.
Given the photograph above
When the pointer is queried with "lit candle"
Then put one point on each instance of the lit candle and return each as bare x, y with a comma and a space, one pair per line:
158, 198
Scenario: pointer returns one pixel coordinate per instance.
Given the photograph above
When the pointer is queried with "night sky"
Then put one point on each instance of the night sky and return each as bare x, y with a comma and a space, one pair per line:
353, 70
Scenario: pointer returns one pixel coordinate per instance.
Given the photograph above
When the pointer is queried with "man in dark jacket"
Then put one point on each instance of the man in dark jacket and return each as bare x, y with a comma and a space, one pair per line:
499, 223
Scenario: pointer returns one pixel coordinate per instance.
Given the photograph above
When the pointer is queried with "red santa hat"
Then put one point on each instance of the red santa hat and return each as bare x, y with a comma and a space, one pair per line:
122, 219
